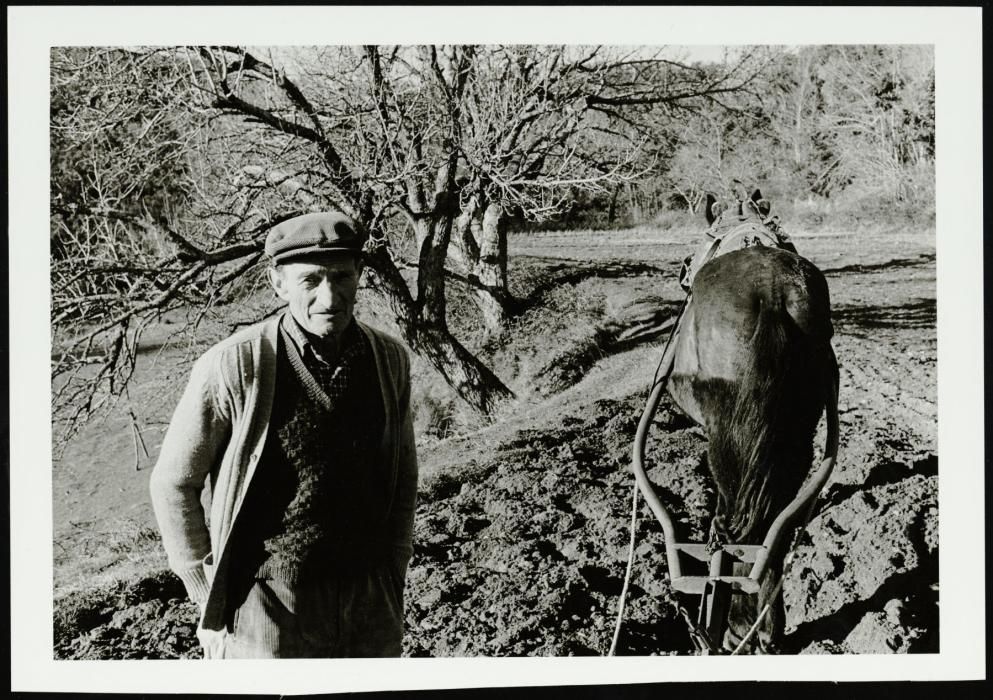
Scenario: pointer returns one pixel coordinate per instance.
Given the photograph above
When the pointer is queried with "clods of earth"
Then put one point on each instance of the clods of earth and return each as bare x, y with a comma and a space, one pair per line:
525, 554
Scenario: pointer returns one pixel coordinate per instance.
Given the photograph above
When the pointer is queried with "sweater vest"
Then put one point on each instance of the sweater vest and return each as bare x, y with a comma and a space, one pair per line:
318, 498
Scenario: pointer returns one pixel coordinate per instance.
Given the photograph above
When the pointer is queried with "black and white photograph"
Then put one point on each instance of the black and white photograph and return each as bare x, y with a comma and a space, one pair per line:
502, 348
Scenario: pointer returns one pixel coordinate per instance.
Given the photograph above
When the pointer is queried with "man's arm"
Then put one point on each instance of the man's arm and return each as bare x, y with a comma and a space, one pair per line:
405, 494
195, 440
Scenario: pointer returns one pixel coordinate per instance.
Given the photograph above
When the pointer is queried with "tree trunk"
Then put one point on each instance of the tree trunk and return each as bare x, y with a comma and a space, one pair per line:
474, 382
696, 200
491, 269
464, 249
479, 252
425, 329
612, 209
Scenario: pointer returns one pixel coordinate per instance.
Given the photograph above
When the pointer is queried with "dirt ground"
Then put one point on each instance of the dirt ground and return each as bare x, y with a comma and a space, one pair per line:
522, 529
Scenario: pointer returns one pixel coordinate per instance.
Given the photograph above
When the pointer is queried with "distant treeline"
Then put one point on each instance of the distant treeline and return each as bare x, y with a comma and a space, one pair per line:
843, 131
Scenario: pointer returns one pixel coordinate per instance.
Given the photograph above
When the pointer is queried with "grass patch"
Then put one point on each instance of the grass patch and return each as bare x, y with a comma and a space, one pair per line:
124, 548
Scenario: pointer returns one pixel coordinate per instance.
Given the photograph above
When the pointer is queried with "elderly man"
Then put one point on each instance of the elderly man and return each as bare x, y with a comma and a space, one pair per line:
301, 425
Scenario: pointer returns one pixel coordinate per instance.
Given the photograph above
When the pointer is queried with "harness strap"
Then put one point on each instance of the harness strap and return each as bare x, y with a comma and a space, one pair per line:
729, 233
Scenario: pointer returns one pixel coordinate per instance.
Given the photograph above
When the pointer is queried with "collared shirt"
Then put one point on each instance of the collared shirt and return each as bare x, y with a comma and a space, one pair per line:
332, 373
310, 348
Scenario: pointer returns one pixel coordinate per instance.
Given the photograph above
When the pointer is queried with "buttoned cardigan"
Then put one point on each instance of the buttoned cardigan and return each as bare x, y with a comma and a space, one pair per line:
218, 432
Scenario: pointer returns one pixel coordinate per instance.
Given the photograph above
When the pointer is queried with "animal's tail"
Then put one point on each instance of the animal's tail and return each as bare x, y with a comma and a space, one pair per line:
768, 434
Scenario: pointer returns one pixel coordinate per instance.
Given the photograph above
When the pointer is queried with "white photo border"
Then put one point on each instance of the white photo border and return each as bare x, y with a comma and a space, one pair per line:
955, 34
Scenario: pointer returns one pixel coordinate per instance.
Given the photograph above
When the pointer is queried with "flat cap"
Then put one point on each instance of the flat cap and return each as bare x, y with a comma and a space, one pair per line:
313, 234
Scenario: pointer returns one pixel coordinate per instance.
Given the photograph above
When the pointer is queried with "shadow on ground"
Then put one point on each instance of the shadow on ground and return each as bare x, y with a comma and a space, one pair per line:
921, 313
922, 260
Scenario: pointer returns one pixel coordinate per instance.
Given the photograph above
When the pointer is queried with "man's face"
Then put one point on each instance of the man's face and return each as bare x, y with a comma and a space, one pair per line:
320, 292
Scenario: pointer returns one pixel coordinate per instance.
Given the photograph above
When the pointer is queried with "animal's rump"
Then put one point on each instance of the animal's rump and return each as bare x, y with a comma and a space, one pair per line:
750, 367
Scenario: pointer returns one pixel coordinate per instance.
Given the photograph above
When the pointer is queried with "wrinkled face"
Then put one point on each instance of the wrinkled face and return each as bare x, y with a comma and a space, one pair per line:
320, 292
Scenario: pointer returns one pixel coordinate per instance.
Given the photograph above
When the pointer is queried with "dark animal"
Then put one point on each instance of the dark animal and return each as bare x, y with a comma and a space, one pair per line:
753, 365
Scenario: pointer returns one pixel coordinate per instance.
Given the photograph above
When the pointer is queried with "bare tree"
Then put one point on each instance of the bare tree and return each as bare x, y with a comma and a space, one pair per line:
877, 119
173, 164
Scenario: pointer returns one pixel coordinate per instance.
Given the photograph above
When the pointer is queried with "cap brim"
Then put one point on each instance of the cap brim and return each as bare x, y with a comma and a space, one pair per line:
315, 251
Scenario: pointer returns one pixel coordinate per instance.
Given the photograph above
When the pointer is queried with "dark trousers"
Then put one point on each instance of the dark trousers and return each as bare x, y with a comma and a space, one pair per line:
358, 614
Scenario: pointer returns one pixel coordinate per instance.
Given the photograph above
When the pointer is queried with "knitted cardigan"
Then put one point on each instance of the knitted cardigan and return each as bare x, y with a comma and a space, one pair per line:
218, 431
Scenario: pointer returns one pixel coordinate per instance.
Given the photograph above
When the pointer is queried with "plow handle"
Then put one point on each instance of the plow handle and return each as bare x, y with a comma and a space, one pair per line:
638, 458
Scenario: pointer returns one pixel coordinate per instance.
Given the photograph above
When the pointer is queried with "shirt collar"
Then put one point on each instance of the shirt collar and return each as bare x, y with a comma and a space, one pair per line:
306, 343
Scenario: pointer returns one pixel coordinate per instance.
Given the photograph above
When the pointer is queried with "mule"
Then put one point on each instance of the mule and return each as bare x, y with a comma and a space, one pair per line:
754, 366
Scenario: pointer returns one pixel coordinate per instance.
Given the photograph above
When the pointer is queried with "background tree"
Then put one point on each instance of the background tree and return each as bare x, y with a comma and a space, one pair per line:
174, 163
170, 165
877, 118
836, 123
